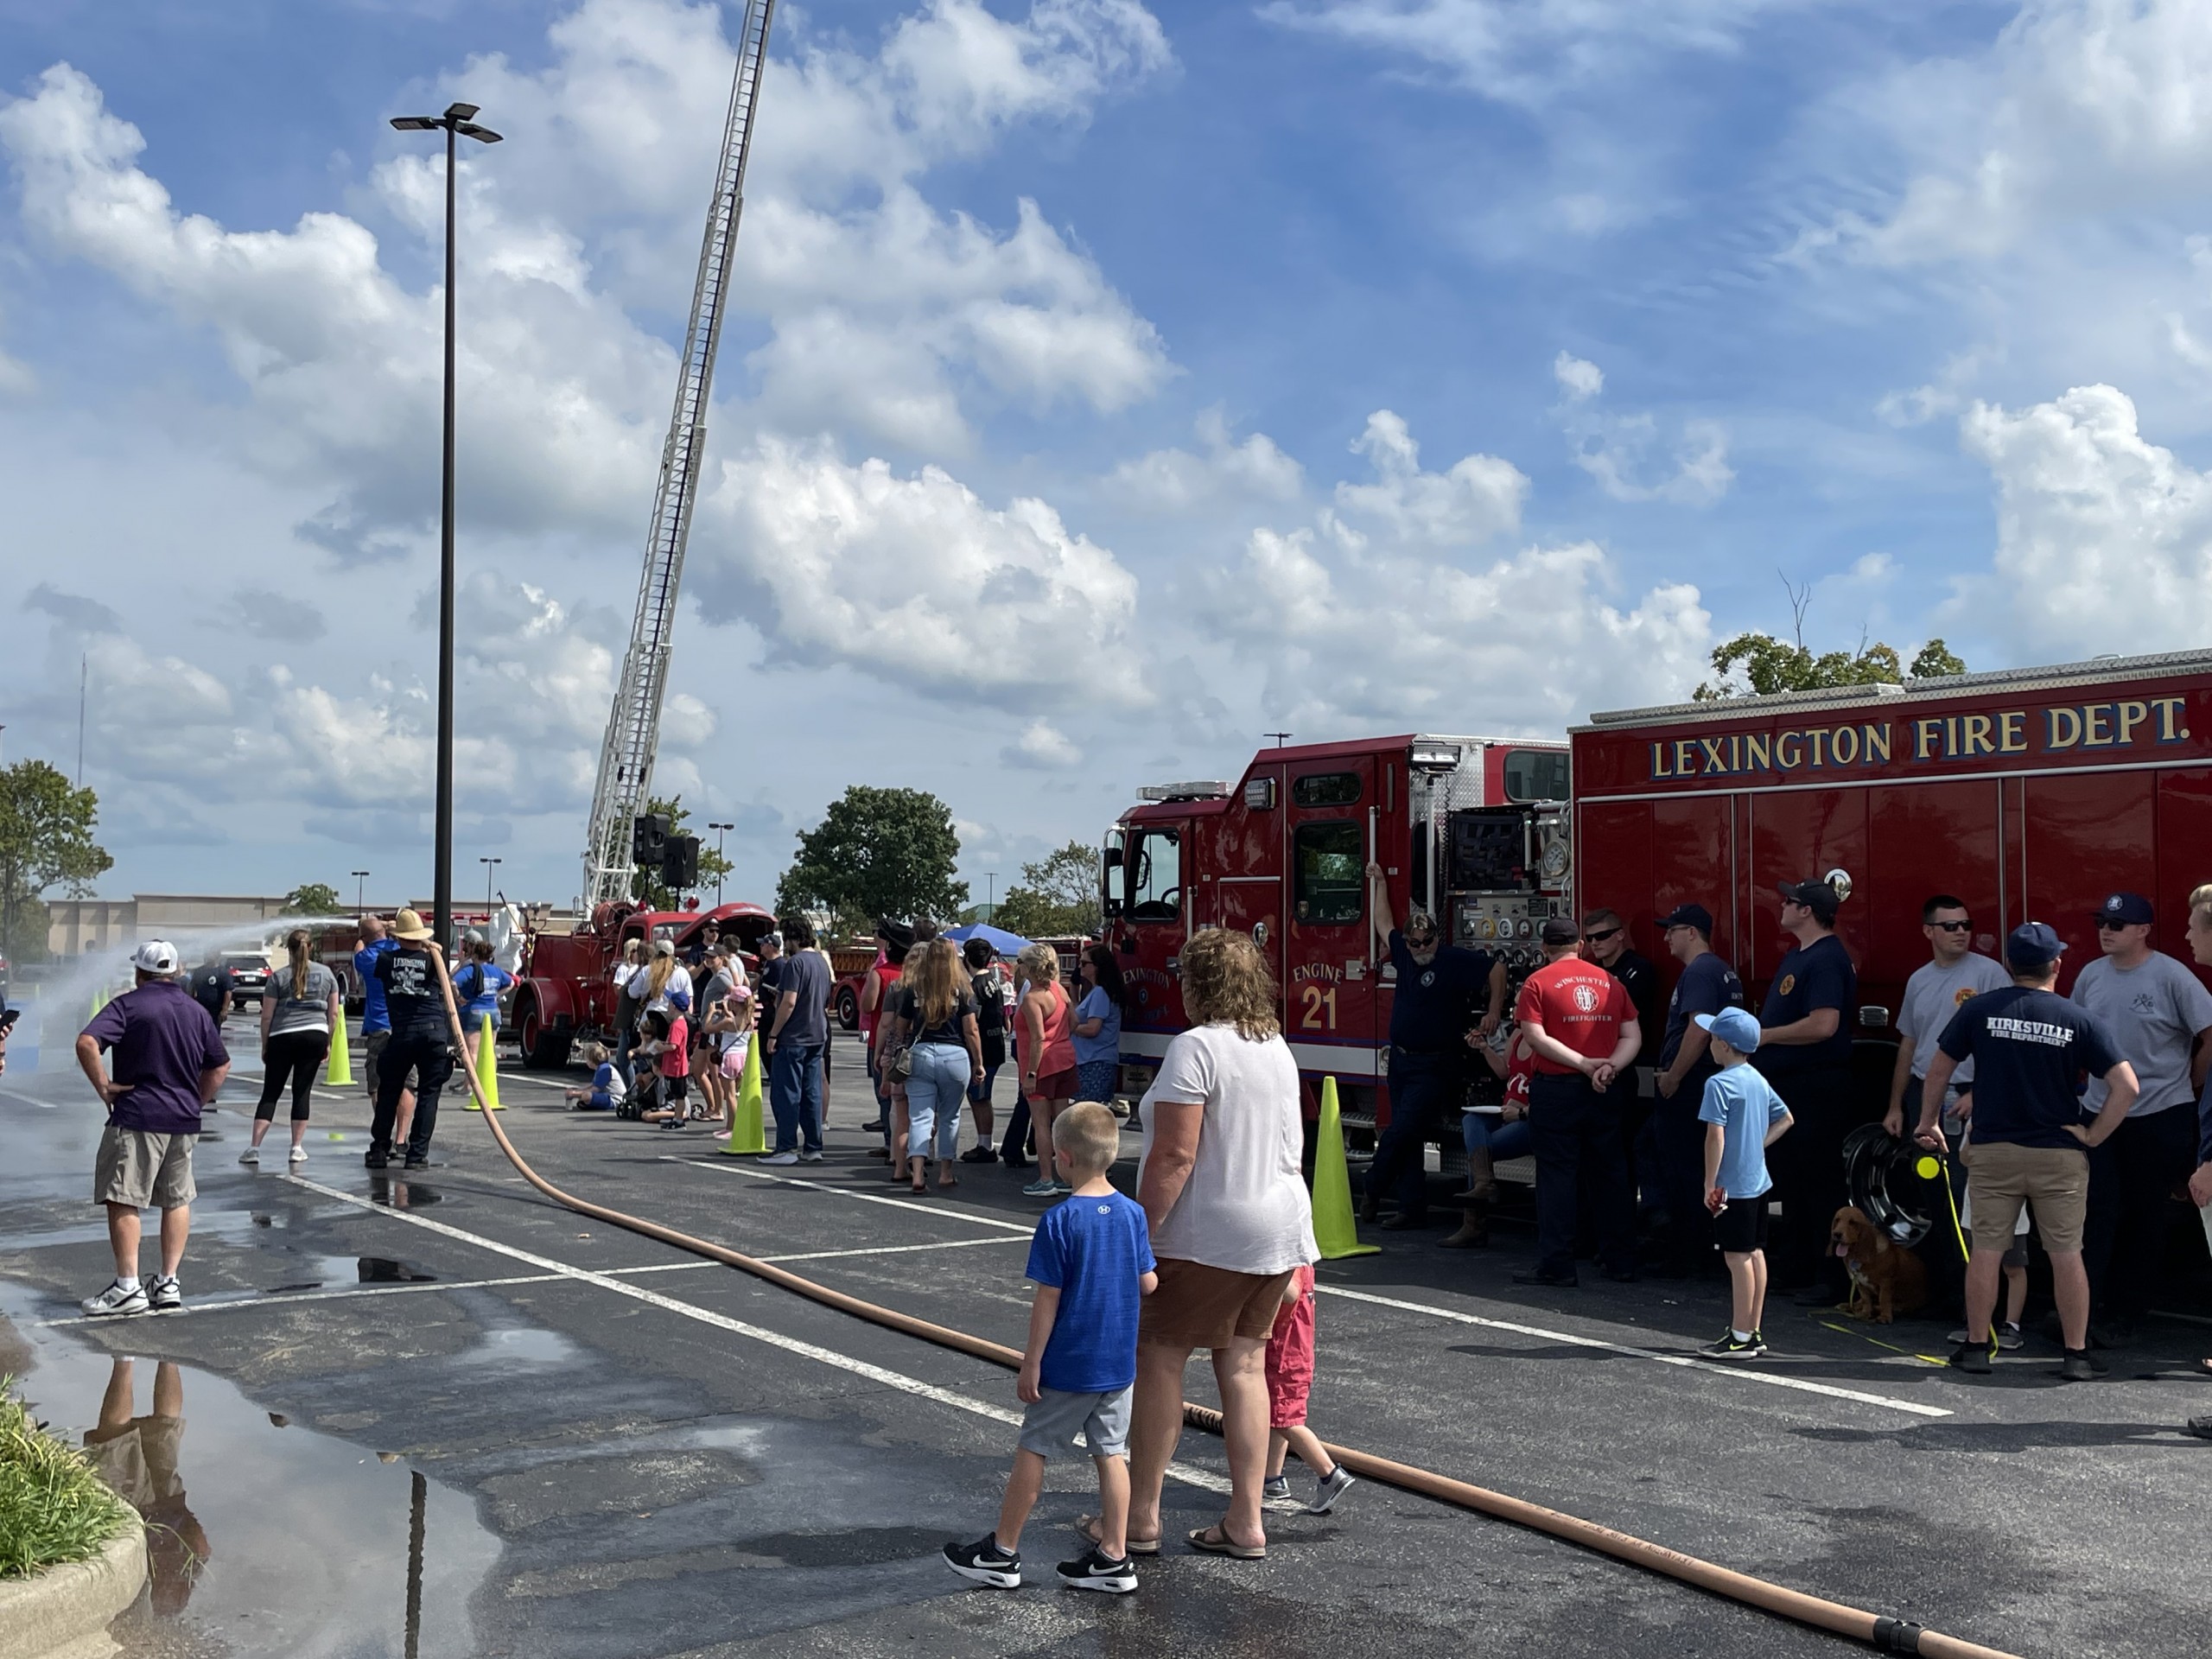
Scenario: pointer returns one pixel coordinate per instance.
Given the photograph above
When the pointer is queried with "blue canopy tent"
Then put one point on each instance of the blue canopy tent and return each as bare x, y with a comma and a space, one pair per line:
1005, 943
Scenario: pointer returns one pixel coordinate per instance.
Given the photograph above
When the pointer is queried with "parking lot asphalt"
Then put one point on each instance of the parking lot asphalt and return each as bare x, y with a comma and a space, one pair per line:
442, 1415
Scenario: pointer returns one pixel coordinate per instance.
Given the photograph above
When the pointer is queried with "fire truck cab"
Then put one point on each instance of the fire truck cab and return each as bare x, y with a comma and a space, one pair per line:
1473, 828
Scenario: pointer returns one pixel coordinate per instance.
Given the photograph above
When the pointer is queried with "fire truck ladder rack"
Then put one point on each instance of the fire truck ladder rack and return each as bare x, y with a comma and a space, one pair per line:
625, 760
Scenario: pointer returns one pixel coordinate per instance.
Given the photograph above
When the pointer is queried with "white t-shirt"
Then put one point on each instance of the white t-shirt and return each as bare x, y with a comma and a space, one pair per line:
2152, 1014
1245, 1208
1933, 995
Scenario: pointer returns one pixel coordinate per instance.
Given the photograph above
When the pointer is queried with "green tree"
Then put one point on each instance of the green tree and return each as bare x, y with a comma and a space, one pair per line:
1056, 897
46, 839
647, 886
1758, 664
311, 899
877, 853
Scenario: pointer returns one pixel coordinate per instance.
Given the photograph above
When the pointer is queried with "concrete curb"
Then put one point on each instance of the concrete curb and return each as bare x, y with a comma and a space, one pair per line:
64, 1613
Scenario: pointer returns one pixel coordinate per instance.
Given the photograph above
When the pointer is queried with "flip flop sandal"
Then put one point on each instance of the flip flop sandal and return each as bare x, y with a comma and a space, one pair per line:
1215, 1541
1086, 1528
918, 1186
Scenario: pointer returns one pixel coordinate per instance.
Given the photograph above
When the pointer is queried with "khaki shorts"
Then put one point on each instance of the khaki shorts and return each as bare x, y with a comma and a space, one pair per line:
1199, 1306
2002, 1176
139, 1459
141, 1168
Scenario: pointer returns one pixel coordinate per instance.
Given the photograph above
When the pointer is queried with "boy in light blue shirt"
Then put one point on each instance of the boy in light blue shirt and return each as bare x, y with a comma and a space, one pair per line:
1744, 1116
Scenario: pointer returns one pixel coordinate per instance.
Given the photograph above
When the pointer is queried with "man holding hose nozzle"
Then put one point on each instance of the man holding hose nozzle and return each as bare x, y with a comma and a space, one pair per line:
421, 1041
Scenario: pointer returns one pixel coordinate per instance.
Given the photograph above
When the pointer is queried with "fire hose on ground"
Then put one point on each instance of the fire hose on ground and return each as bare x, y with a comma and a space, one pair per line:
1883, 1633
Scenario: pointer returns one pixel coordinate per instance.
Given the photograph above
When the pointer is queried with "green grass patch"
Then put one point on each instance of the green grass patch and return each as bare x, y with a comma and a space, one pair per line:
53, 1508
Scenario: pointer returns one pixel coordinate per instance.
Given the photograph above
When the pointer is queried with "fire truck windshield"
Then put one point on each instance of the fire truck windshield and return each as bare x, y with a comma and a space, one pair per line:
1155, 873
1536, 775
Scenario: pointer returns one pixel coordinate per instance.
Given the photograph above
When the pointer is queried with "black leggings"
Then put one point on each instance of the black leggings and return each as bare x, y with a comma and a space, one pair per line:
298, 1055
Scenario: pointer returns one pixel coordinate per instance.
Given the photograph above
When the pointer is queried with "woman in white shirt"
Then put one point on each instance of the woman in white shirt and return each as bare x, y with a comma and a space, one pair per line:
1223, 1190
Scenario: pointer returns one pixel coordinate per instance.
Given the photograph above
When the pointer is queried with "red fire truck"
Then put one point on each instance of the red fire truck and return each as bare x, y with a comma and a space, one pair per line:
2031, 794
1472, 828
566, 989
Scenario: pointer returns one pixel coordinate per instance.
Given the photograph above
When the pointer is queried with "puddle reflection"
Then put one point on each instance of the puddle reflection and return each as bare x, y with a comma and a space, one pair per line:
265, 1536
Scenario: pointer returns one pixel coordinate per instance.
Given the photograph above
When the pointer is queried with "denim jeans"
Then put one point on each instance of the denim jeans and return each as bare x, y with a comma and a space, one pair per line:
1421, 1087
936, 1090
1482, 1131
795, 1095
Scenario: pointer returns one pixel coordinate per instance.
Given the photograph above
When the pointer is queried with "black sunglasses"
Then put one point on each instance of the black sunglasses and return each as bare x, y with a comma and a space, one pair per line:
1600, 937
2112, 927
1953, 927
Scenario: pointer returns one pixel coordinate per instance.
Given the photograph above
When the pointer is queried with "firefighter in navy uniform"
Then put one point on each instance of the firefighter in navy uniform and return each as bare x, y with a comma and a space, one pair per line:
1805, 1053
1446, 999
1606, 942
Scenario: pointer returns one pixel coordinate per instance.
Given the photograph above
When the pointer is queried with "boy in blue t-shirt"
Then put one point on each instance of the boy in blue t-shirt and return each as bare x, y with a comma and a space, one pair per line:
1091, 1262
1745, 1116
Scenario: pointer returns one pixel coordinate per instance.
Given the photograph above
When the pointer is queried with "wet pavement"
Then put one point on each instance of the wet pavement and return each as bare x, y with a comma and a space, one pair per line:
440, 1416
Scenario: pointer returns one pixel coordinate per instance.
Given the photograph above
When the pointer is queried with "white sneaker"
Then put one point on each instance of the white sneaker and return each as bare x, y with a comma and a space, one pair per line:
781, 1158
810, 1157
116, 1300
250, 1155
298, 1155
164, 1295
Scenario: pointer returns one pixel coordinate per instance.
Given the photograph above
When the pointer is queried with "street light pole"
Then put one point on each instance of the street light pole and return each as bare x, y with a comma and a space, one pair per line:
457, 122
490, 865
360, 877
718, 828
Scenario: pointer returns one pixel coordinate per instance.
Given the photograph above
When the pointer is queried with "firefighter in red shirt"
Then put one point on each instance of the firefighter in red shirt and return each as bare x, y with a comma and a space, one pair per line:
1582, 1024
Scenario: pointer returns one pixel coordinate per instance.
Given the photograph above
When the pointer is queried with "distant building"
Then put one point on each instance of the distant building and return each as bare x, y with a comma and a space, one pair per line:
76, 926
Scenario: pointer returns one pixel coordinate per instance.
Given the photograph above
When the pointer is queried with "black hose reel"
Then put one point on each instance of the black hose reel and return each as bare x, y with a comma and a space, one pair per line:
1883, 1175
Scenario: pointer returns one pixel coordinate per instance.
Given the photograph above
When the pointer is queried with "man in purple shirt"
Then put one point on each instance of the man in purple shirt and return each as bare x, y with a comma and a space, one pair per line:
169, 1061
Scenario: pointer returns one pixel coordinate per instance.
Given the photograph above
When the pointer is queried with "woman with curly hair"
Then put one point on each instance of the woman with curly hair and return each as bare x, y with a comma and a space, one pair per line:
1231, 1223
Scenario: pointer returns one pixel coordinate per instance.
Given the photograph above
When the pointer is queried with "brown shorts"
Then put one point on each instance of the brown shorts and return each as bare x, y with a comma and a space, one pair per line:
2055, 1178
1058, 1085
142, 1169
1199, 1306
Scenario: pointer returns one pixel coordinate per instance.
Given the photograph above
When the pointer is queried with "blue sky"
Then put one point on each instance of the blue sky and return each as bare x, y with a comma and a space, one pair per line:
1106, 387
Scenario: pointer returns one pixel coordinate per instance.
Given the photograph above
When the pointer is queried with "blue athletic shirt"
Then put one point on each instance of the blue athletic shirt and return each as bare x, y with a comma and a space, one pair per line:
1107, 1045
375, 1016
2030, 1049
1093, 1251
481, 984
1745, 1106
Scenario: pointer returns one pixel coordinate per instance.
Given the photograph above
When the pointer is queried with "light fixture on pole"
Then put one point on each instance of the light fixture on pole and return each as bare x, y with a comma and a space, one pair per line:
360, 877
721, 869
490, 865
457, 121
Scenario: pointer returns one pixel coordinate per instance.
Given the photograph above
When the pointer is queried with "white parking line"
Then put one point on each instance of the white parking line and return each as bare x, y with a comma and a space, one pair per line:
895, 1250
269, 1299
31, 1100
1707, 1368
889, 1379
1024, 1227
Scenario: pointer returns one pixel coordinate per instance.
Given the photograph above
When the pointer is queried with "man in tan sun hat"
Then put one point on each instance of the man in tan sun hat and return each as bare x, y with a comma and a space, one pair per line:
421, 1041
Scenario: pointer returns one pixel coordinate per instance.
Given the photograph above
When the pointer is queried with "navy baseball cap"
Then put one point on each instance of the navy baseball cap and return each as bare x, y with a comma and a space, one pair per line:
1696, 916
1734, 1026
1816, 896
2126, 908
2033, 944
1560, 930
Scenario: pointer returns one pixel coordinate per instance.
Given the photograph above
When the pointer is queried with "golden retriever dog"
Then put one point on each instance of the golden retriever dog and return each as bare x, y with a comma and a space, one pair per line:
1887, 1279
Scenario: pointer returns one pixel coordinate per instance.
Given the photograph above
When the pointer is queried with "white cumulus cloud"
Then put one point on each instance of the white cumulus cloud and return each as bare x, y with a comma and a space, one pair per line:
1224, 468
1476, 497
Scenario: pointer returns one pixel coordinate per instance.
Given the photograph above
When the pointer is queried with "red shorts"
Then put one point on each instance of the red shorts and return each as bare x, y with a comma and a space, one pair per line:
1290, 1356
1058, 1085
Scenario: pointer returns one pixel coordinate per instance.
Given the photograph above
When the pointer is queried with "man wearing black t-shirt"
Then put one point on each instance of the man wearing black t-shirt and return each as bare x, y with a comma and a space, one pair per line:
1706, 985
1606, 942
2030, 1134
422, 1042
1434, 1017
1805, 1053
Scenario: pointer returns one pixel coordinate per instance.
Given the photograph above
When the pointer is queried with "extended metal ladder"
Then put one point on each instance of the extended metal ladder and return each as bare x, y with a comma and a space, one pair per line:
625, 760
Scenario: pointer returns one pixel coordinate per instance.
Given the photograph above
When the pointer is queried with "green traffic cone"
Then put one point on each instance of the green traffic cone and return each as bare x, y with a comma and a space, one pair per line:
746, 1136
339, 1072
1334, 1230
487, 1068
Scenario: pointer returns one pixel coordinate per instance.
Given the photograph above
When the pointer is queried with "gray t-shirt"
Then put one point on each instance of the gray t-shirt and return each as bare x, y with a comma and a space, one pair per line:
1933, 995
1245, 1207
307, 1012
806, 975
2151, 1014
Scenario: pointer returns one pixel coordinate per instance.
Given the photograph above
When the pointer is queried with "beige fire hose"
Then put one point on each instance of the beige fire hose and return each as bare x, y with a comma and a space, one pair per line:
1885, 1634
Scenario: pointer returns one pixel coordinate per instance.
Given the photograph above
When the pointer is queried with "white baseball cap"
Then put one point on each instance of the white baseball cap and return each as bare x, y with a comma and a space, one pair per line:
156, 957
